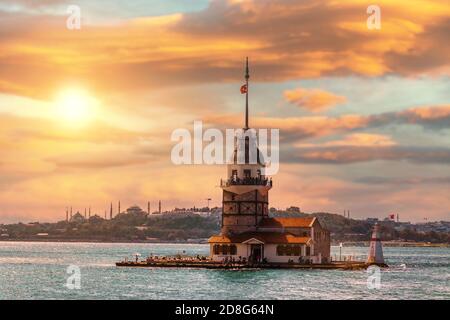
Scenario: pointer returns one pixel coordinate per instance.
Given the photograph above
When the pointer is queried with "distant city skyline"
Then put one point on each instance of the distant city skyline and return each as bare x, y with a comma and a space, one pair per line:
86, 115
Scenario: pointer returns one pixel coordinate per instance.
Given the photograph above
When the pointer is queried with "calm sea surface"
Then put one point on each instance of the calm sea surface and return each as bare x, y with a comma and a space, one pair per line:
39, 271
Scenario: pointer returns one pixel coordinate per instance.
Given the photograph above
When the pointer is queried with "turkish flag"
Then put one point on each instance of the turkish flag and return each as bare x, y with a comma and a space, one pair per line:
244, 89
392, 217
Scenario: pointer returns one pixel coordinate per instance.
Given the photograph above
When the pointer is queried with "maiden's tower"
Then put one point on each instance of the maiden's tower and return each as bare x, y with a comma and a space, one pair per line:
247, 231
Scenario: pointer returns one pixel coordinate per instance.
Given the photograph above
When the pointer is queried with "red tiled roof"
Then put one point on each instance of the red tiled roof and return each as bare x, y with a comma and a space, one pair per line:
286, 222
266, 237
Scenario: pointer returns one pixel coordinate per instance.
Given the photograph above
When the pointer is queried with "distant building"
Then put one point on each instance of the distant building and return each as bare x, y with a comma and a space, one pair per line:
135, 210
293, 209
96, 218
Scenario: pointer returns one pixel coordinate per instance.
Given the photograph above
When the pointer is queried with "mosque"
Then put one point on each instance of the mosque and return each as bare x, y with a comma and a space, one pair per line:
247, 231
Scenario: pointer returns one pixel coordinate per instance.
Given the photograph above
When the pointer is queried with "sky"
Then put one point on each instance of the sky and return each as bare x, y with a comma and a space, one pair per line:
86, 115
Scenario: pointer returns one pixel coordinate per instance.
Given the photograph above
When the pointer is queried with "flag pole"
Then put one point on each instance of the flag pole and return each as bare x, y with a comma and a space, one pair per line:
247, 76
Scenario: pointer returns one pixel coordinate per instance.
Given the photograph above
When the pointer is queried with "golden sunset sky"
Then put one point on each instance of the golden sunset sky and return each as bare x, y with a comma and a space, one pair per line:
86, 115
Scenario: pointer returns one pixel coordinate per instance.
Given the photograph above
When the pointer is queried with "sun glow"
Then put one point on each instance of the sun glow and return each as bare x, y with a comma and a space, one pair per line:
76, 106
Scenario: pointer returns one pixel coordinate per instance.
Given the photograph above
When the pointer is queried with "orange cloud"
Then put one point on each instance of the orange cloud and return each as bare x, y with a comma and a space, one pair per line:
313, 99
295, 128
285, 40
356, 140
353, 154
427, 113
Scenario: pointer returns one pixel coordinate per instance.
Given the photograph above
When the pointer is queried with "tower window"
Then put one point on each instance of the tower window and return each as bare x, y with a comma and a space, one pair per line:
247, 173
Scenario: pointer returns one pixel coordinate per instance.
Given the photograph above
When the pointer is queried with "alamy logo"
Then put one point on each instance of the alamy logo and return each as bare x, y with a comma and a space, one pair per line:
241, 146
374, 20
374, 277
74, 280
73, 22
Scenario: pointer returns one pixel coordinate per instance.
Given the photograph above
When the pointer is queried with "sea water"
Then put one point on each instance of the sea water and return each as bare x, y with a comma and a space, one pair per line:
45, 270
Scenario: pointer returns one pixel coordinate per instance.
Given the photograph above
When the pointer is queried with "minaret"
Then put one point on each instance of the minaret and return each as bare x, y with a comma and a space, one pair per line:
119, 207
89, 212
85, 214
67, 214
70, 212
376, 249
159, 205
245, 200
110, 213
148, 208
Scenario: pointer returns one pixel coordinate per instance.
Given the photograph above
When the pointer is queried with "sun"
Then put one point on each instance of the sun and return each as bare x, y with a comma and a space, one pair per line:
76, 106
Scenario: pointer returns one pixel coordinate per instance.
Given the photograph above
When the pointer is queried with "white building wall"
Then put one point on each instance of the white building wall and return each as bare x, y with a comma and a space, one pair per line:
270, 253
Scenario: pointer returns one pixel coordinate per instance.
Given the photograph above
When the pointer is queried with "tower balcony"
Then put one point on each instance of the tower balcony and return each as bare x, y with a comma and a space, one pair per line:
264, 182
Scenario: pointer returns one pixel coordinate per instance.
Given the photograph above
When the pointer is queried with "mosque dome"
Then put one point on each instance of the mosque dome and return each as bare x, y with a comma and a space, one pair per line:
246, 151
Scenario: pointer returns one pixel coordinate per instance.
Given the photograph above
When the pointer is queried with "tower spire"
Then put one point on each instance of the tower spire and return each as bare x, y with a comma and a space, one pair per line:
247, 76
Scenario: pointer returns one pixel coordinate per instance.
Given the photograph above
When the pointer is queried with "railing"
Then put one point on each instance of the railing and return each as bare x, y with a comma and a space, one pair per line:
246, 182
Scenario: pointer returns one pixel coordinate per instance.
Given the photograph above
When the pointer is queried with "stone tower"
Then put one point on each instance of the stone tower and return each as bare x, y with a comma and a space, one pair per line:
245, 198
